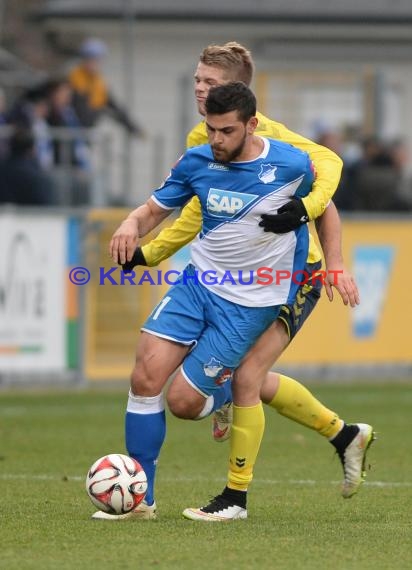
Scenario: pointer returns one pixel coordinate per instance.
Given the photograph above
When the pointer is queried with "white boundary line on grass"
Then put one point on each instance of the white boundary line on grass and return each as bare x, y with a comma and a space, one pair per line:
303, 482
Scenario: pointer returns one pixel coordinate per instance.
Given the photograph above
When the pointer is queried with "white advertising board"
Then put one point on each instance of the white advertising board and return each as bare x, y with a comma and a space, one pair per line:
32, 292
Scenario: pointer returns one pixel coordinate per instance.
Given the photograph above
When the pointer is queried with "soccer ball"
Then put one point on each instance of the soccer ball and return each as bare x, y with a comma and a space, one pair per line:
116, 483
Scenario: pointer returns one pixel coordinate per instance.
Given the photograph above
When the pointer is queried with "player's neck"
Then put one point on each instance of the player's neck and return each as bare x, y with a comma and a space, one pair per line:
253, 148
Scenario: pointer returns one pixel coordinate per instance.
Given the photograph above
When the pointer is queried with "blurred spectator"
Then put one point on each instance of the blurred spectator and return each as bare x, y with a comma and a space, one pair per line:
2, 107
399, 153
71, 149
3, 125
400, 157
375, 153
91, 95
373, 182
71, 152
351, 144
29, 112
377, 180
22, 181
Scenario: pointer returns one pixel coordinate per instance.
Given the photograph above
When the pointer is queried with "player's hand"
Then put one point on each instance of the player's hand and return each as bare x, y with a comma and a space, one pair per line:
344, 283
289, 217
137, 259
124, 241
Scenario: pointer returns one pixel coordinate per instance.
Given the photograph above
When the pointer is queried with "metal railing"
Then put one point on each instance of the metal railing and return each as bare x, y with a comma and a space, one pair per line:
77, 160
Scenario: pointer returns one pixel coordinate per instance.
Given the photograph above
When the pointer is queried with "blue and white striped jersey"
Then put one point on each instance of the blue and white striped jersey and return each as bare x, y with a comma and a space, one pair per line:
232, 248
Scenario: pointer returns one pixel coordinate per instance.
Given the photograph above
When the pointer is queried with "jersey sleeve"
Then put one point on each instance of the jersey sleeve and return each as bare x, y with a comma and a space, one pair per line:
180, 233
328, 168
176, 189
306, 185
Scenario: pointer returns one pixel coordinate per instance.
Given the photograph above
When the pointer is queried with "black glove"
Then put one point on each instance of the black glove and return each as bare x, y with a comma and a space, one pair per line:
137, 259
289, 217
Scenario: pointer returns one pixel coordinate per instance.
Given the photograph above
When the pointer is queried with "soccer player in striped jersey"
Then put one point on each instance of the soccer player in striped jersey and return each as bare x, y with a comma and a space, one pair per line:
218, 65
204, 326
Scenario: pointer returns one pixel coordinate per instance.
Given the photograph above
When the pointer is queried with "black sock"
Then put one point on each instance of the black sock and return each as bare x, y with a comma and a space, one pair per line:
235, 497
344, 437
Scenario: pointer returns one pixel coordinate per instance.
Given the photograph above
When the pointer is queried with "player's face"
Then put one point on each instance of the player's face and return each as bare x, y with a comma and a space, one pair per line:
227, 136
207, 76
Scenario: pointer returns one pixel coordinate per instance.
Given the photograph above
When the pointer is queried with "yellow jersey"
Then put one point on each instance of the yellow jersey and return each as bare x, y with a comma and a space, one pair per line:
327, 165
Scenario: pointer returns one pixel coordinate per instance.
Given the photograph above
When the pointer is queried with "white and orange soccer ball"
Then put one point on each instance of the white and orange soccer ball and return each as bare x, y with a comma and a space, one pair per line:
116, 483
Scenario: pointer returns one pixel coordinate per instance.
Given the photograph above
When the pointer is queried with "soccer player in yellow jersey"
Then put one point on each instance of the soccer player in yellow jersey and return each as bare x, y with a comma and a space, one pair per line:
219, 65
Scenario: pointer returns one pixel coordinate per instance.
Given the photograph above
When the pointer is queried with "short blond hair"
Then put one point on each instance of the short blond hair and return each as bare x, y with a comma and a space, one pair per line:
233, 58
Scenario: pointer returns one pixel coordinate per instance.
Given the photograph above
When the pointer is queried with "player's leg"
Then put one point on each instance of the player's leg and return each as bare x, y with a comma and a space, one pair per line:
203, 383
246, 436
145, 425
248, 424
292, 400
169, 332
188, 401
351, 441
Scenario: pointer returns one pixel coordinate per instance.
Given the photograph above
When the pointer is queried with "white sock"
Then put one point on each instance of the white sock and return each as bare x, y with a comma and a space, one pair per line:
145, 404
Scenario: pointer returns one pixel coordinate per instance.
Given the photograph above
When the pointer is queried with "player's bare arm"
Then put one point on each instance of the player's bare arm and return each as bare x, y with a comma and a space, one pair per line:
137, 224
329, 229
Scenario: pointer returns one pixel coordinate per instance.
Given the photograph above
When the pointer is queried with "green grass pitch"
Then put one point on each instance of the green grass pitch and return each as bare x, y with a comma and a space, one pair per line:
297, 519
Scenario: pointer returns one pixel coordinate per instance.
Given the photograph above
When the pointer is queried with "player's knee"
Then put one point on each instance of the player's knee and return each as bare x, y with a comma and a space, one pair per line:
246, 386
251, 374
184, 402
143, 381
182, 408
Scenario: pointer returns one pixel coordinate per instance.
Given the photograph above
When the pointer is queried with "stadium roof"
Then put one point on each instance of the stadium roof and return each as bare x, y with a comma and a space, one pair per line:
365, 11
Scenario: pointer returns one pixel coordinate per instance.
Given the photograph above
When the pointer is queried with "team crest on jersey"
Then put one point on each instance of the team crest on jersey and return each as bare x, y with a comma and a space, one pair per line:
212, 368
226, 204
267, 173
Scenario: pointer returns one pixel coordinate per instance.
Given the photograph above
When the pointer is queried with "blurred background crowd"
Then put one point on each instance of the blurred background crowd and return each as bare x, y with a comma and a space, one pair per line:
345, 93
374, 176
47, 130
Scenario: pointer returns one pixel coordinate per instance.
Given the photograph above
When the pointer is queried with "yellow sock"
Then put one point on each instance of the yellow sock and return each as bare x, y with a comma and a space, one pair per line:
296, 402
245, 438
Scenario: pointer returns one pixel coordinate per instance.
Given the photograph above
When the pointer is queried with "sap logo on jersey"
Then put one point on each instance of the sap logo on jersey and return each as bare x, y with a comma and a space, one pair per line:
226, 204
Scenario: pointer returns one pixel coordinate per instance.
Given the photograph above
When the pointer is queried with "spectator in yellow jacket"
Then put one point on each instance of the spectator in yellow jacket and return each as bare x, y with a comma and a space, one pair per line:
91, 94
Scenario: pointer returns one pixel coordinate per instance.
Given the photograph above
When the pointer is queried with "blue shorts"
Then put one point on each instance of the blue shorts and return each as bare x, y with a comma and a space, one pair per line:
293, 316
220, 332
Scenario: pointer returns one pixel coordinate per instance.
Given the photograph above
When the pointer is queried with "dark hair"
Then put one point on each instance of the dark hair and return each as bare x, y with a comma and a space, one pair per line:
235, 96
54, 83
43, 90
36, 94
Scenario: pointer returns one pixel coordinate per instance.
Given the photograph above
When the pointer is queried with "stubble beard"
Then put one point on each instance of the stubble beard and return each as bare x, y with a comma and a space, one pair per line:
233, 155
